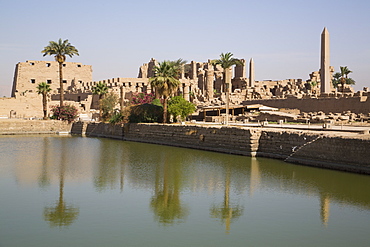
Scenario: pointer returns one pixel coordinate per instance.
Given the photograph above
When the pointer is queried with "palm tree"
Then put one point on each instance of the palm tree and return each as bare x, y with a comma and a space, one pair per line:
100, 89
336, 79
178, 67
60, 50
44, 88
344, 71
342, 78
227, 61
165, 81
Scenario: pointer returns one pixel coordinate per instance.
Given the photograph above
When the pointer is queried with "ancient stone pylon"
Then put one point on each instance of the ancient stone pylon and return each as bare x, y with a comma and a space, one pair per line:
325, 63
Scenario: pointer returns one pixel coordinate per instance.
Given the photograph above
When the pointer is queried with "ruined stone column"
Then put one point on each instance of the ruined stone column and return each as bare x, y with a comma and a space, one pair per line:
325, 87
153, 63
209, 81
193, 70
149, 88
122, 98
201, 80
251, 73
182, 75
240, 70
186, 92
227, 74
219, 81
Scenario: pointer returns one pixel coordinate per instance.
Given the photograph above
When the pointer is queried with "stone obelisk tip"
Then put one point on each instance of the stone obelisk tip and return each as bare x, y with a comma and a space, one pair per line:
325, 63
251, 73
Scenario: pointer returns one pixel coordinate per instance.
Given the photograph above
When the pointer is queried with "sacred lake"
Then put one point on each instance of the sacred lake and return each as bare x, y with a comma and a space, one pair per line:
83, 191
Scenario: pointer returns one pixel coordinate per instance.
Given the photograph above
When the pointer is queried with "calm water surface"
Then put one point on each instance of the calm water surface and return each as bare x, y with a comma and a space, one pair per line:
75, 191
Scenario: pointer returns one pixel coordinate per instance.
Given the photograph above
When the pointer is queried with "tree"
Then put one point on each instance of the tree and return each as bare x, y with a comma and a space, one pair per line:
44, 88
60, 50
342, 78
178, 67
100, 89
178, 106
107, 106
344, 71
227, 61
146, 113
336, 79
165, 81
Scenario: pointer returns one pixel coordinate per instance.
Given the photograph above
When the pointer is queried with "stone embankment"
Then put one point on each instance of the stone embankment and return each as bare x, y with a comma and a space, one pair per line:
328, 149
346, 151
20, 126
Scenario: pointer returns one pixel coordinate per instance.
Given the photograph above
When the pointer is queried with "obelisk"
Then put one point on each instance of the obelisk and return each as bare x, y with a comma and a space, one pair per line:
325, 63
251, 73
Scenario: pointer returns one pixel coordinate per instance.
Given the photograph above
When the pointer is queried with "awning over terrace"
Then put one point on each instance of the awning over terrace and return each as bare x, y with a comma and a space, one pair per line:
234, 109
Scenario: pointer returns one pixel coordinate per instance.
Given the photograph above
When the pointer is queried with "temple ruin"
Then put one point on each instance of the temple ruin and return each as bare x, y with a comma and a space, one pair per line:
201, 83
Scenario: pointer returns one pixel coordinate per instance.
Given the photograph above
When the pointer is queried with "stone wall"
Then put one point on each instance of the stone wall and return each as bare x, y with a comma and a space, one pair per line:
22, 107
320, 149
326, 105
220, 139
18, 126
327, 149
98, 130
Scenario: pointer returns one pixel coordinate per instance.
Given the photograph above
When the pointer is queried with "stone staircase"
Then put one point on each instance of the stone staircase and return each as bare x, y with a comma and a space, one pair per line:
79, 128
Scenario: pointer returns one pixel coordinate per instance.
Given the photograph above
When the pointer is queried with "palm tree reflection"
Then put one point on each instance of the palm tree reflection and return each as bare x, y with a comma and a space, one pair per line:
166, 203
61, 214
226, 212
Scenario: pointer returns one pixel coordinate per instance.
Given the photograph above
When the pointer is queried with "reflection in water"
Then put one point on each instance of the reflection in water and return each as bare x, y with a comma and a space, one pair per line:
325, 208
44, 179
175, 185
255, 175
108, 166
226, 212
61, 214
166, 203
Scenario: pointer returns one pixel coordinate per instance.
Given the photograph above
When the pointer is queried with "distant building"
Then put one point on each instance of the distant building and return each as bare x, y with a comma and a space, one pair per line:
30, 73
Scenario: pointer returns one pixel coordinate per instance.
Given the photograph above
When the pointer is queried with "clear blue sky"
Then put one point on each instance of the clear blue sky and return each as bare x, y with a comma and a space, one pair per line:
116, 37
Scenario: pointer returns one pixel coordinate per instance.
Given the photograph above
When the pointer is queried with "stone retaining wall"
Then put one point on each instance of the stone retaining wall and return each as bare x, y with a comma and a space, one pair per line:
347, 152
320, 149
98, 130
326, 105
221, 139
19, 126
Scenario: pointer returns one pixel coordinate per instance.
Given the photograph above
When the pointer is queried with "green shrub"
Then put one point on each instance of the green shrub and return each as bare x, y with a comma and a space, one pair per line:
146, 113
116, 118
107, 106
179, 107
157, 102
